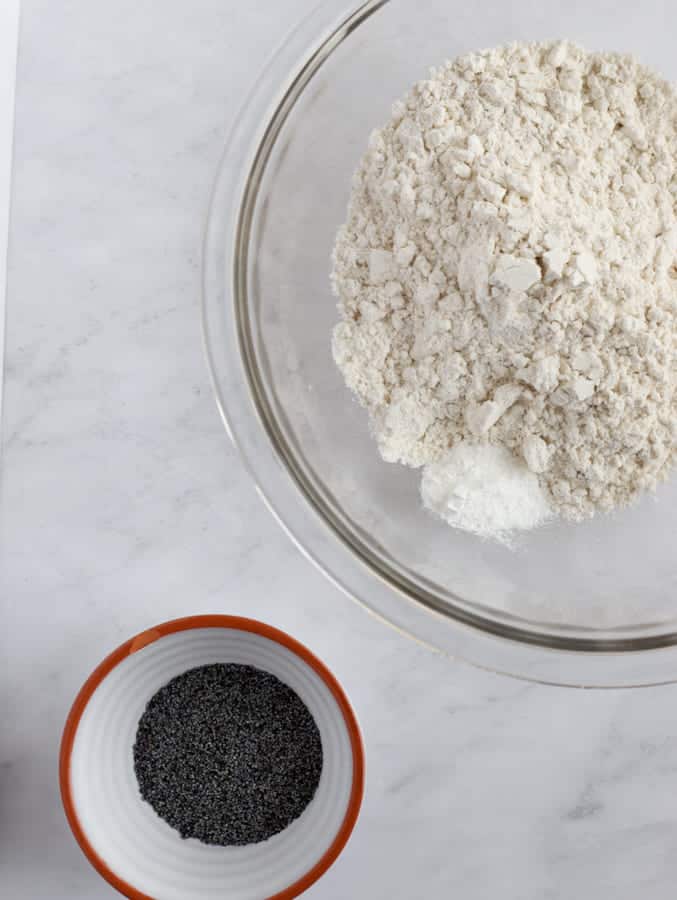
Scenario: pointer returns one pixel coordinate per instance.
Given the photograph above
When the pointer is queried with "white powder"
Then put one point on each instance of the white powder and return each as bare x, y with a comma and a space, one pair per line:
485, 490
507, 274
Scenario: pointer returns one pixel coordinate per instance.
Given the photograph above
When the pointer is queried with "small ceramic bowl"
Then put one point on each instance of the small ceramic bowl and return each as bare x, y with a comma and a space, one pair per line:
122, 836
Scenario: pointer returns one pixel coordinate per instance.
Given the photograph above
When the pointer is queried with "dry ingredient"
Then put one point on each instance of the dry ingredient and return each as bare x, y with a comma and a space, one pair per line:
507, 274
227, 754
486, 490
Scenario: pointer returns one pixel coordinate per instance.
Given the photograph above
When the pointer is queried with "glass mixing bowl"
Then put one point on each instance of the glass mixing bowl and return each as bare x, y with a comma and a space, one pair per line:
585, 605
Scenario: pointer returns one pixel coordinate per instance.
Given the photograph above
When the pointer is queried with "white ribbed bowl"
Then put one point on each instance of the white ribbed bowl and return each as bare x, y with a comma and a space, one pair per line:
123, 837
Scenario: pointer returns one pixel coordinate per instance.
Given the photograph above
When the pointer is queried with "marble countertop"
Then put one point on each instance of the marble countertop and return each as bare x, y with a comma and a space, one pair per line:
123, 504
9, 35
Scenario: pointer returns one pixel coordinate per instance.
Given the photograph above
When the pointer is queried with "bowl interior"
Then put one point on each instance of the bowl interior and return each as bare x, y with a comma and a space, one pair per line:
134, 843
615, 577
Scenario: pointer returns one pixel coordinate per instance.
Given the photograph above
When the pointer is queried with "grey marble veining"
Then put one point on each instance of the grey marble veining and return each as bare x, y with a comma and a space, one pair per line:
123, 504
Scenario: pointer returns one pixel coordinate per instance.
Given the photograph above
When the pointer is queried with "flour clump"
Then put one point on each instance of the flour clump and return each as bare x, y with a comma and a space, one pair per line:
507, 274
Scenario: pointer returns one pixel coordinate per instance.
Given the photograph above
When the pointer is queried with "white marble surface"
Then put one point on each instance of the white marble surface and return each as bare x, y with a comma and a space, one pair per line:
123, 505
9, 34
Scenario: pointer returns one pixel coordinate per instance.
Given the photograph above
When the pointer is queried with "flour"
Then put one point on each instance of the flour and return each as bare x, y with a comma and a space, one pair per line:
507, 274
485, 490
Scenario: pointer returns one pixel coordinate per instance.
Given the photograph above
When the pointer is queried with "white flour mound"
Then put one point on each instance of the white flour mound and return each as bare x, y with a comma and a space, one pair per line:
507, 274
485, 490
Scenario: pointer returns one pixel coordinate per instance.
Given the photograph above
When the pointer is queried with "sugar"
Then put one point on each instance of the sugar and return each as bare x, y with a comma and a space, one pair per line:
485, 490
